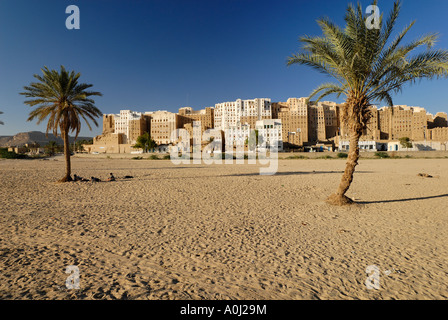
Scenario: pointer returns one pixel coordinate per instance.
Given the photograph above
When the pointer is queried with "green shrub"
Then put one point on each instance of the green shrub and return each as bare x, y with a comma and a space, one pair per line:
325, 157
154, 157
342, 155
137, 158
166, 157
381, 154
5, 154
297, 157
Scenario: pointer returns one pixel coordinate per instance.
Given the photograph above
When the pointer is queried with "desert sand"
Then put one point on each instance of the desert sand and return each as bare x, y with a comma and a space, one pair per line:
223, 231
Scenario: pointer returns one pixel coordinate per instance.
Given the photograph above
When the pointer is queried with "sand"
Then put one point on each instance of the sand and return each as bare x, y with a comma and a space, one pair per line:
223, 231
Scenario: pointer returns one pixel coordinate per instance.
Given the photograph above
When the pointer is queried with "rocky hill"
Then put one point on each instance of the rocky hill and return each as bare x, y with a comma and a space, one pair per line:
31, 137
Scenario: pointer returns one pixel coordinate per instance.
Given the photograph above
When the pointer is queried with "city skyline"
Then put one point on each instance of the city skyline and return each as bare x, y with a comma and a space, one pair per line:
296, 123
159, 56
196, 108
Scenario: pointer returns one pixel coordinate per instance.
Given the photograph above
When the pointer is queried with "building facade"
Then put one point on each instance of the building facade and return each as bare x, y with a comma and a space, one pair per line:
163, 123
300, 124
188, 116
270, 131
240, 112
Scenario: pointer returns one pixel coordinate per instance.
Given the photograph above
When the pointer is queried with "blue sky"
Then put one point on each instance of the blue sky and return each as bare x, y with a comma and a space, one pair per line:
166, 54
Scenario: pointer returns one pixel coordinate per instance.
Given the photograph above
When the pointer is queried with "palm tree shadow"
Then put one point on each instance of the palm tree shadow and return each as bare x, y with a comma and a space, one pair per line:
403, 200
290, 173
255, 174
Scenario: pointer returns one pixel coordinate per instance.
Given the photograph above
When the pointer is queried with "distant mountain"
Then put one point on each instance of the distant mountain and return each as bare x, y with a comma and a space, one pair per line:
23, 138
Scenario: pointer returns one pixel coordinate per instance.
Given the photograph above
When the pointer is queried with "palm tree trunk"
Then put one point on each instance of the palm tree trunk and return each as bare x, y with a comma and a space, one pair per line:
68, 168
339, 198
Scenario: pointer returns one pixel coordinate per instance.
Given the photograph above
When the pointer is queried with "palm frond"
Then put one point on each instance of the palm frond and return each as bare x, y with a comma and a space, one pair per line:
60, 98
327, 89
369, 66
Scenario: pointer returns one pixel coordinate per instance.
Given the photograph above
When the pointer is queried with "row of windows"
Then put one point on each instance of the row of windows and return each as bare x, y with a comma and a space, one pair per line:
162, 120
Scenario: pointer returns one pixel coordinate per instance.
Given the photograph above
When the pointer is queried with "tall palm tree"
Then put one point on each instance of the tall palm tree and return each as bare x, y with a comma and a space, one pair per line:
1, 121
369, 67
51, 147
60, 97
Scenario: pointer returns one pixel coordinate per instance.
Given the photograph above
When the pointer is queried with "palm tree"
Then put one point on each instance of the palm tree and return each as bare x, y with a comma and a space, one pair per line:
145, 142
1, 122
51, 148
79, 145
59, 96
369, 67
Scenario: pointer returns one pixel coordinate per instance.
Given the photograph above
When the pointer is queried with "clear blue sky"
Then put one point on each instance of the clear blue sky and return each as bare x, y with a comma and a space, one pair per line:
166, 54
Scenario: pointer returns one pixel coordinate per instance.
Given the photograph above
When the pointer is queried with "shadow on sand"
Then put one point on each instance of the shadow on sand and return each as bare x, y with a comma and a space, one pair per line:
403, 200
254, 174
289, 173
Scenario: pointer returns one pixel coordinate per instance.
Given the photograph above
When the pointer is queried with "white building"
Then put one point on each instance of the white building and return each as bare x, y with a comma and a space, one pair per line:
418, 146
271, 132
237, 135
228, 114
364, 145
122, 121
369, 145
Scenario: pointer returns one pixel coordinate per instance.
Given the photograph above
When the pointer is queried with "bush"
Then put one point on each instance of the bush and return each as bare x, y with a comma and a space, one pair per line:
154, 157
297, 157
166, 157
381, 155
5, 154
342, 155
137, 158
325, 157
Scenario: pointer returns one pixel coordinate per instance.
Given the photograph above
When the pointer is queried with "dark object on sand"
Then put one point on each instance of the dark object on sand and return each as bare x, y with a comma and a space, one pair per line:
128, 177
424, 175
93, 179
111, 178
78, 178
